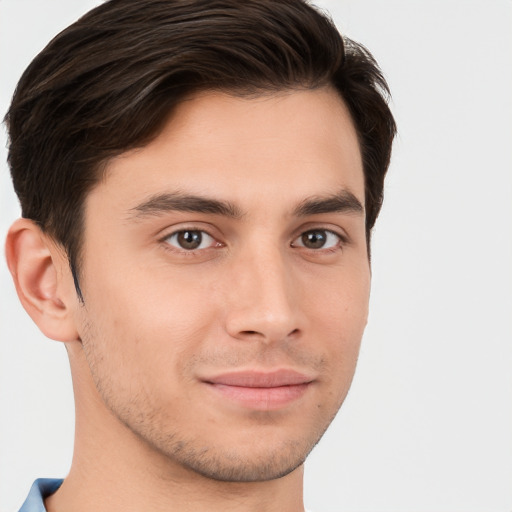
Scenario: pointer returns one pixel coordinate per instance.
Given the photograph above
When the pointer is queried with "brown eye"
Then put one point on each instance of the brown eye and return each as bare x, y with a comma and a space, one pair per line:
318, 239
314, 239
190, 239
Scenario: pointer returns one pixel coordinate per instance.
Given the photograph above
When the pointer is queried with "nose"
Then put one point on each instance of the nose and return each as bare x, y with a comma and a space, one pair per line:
263, 301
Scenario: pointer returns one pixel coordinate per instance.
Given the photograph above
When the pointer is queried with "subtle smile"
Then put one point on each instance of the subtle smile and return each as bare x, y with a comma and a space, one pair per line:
261, 390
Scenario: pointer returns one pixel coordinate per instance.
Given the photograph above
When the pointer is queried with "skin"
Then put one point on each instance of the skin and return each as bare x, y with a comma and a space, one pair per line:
158, 319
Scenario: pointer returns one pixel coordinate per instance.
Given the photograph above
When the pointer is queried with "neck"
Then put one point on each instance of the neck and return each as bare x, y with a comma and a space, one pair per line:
113, 469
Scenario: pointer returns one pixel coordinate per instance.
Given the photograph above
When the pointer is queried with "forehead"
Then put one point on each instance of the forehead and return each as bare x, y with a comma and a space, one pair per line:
280, 146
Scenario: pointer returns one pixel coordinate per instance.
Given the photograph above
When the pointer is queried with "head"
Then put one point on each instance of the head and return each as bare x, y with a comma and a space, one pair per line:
177, 121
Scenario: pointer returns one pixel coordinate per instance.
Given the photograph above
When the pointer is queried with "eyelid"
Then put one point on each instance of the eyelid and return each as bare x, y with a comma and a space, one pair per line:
342, 240
175, 230
205, 238
334, 228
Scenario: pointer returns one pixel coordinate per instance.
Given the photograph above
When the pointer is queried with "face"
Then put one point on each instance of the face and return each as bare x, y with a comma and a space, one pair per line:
226, 281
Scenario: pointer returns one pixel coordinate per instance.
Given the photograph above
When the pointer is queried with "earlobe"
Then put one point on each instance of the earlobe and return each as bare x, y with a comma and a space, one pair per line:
41, 276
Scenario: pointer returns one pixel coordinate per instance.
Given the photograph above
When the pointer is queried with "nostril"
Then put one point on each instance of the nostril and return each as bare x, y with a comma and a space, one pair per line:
257, 333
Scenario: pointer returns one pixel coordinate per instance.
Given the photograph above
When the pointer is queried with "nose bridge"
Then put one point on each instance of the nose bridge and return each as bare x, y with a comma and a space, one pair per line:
263, 298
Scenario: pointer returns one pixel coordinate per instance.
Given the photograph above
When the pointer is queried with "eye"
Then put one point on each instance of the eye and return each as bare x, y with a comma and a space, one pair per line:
317, 239
190, 239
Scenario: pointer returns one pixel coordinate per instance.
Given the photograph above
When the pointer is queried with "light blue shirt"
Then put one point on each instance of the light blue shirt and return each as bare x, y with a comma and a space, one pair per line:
40, 489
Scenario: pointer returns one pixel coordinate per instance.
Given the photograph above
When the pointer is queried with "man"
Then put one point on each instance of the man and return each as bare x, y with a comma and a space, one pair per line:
198, 181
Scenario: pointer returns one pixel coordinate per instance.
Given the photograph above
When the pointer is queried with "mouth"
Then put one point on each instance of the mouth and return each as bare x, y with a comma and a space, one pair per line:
260, 390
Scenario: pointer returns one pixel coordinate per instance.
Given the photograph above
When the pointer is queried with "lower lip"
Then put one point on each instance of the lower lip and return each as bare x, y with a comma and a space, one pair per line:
262, 399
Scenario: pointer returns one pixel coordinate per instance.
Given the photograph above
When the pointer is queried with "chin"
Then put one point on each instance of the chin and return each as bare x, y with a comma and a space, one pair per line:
255, 459
246, 468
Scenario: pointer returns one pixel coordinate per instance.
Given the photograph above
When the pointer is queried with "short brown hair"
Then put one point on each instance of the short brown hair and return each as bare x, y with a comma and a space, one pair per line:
108, 82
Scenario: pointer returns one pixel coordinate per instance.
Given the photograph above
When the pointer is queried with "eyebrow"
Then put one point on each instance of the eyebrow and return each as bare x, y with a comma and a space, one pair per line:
177, 201
342, 202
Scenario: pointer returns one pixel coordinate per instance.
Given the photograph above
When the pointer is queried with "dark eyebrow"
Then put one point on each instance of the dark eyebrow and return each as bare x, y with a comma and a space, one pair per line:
342, 202
176, 201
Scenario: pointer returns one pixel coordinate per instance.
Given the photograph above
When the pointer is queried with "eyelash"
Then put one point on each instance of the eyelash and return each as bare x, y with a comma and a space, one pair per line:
188, 252
341, 241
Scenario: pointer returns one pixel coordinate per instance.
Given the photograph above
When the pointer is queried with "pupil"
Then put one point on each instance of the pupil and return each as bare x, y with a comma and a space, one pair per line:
190, 239
314, 239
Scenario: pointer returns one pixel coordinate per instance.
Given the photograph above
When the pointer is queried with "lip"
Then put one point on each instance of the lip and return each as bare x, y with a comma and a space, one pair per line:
261, 390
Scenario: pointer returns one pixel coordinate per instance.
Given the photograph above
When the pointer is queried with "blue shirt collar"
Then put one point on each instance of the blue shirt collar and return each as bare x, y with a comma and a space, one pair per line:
41, 489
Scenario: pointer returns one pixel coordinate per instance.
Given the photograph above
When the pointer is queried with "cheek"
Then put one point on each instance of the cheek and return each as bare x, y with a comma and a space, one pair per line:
340, 297
149, 323
340, 319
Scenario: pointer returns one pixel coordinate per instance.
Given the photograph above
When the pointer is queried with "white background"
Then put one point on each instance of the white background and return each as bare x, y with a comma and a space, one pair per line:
427, 425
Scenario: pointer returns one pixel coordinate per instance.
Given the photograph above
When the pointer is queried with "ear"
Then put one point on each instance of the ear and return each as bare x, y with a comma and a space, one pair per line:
43, 280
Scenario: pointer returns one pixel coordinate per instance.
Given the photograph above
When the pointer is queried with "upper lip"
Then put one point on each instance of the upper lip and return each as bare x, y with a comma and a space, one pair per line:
260, 379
